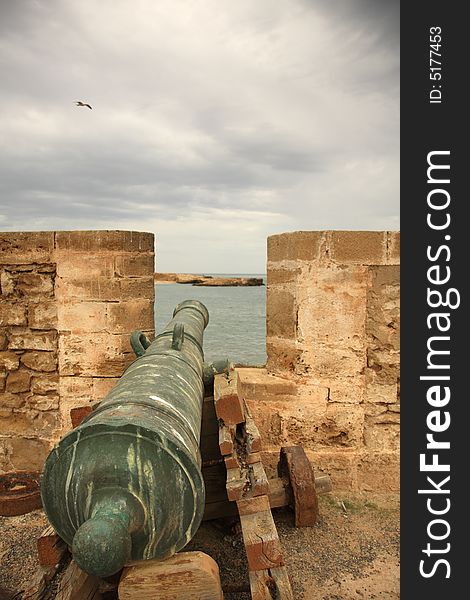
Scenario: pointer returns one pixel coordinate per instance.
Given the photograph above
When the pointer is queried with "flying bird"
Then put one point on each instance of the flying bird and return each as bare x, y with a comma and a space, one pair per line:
79, 103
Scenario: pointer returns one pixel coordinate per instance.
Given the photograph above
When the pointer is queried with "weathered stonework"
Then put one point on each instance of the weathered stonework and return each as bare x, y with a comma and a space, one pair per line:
333, 324
68, 302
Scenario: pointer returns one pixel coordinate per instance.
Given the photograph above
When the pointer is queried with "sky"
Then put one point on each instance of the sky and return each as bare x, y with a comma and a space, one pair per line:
214, 123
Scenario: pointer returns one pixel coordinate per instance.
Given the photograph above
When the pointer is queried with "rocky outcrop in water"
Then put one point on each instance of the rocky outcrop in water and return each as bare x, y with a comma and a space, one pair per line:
206, 280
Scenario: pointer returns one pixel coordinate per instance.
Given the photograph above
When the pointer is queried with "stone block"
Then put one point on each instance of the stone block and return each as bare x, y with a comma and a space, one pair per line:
358, 247
339, 463
83, 317
23, 453
42, 315
74, 266
40, 361
102, 386
297, 245
10, 400
277, 276
7, 283
12, 314
9, 361
281, 318
283, 355
139, 265
3, 378
379, 472
125, 317
332, 306
138, 287
26, 247
44, 384
18, 381
104, 241
34, 284
257, 384
332, 362
76, 391
29, 340
380, 391
384, 436
43, 403
393, 247
94, 355
3, 340
29, 422
346, 390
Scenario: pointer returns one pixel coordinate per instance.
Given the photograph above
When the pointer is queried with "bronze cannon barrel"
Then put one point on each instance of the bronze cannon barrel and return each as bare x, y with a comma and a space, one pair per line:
126, 484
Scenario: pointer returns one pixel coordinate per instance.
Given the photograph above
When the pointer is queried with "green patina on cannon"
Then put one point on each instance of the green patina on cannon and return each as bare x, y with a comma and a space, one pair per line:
126, 484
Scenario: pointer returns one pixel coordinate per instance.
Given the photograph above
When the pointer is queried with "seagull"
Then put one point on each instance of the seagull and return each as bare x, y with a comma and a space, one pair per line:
79, 103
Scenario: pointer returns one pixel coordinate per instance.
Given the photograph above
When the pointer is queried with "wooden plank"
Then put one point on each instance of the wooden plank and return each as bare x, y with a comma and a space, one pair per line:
50, 548
185, 576
271, 584
209, 424
228, 405
226, 437
79, 413
253, 457
253, 438
258, 480
215, 480
38, 583
237, 483
263, 548
78, 585
250, 506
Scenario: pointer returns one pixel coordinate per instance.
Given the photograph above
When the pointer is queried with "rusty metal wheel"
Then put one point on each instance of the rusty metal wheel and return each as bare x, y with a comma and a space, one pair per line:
295, 465
19, 493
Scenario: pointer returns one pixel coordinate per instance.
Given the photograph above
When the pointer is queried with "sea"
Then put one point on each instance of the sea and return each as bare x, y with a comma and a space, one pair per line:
237, 317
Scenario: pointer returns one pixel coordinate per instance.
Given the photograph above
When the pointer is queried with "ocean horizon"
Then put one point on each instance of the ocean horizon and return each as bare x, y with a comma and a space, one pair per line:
237, 316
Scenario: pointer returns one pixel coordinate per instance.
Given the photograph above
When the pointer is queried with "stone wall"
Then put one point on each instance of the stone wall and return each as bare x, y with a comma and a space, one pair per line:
332, 380
68, 303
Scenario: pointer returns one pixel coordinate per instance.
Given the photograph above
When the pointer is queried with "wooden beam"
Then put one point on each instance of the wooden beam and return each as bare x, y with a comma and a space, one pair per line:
228, 406
78, 585
185, 576
50, 547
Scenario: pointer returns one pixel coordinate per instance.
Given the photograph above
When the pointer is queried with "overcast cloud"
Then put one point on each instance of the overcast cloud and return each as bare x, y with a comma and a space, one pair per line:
215, 123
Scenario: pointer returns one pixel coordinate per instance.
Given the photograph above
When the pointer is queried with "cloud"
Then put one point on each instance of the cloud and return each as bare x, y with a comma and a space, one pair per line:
214, 123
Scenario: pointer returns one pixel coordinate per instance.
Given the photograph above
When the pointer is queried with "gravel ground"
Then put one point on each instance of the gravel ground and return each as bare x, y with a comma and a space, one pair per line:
352, 553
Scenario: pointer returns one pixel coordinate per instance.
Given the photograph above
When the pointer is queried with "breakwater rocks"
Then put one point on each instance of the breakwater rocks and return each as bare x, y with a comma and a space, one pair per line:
206, 280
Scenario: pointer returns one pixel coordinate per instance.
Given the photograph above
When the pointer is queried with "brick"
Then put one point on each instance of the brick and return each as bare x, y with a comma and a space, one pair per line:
27, 340
18, 381
35, 284
104, 241
40, 361
43, 315
44, 384
281, 314
228, 405
127, 316
12, 314
135, 266
358, 247
26, 247
9, 361
298, 245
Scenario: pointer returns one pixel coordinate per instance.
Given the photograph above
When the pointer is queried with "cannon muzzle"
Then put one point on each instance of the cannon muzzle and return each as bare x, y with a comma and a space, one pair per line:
126, 484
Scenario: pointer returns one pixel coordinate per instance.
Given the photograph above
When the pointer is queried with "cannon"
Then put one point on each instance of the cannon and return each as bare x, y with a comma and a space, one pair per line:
126, 484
